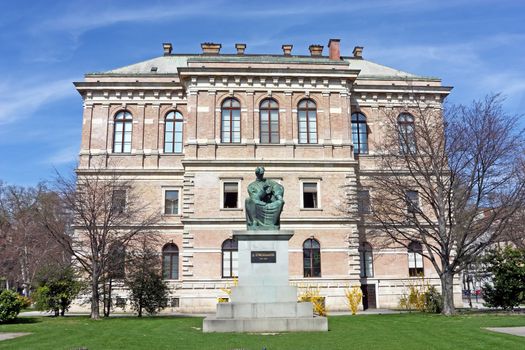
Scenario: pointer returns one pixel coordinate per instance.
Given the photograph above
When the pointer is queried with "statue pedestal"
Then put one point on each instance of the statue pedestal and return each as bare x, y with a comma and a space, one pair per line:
263, 300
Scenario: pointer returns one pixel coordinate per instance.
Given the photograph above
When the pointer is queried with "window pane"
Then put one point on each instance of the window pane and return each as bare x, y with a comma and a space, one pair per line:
178, 126
127, 148
168, 147
178, 147
127, 137
169, 126
174, 266
166, 266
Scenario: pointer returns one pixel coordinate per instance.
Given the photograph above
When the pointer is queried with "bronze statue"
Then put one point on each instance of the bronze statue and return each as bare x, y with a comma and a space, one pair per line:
264, 204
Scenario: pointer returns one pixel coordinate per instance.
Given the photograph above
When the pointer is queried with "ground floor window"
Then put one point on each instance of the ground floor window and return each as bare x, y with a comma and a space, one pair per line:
230, 258
170, 262
415, 259
311, 258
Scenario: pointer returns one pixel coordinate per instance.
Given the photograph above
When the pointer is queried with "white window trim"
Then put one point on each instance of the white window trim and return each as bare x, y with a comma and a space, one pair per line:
240, 206
316, 180
171, 188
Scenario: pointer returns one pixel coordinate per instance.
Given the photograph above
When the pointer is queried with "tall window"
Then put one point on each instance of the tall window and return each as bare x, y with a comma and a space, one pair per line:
230, 195
171, 202
122, 132
230, 258
269, 121
310, 195
412, 200
359, 133
367, 260
363, 201
307, 117
173, 132
415, 259
118, 201
117, 260
170, 262
231, 121
407, 139
311, 258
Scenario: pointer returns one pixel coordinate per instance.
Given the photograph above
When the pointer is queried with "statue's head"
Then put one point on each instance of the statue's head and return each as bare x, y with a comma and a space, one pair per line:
259, 172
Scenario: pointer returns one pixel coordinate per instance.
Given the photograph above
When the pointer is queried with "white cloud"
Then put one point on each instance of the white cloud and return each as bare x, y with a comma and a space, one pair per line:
19, 99
65, 155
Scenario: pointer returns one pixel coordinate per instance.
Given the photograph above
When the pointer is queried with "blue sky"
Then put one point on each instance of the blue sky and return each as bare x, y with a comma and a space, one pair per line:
476, 46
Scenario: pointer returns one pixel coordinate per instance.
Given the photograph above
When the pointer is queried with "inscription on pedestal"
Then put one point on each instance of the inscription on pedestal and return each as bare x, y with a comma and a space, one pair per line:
263, 257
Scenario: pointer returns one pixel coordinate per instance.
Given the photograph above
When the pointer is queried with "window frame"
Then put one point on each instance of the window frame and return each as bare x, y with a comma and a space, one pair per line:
413, 207
231, 109
308, 112
171, 254
304, 181
360, 123
406, 133
416, 249
365, 249
312, 251
268, 116
360, 200
230, 256
124, 200
179, 199
176, 117
223, 181
127, 118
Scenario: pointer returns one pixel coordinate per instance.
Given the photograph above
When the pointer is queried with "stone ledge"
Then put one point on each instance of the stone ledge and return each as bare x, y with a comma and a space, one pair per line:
260, 325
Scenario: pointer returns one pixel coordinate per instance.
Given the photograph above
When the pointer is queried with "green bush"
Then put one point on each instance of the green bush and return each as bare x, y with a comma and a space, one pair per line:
10, 305
57, 291
507, 267
433, 301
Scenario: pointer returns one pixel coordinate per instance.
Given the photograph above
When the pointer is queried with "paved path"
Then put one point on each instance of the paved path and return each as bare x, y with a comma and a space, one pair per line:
519, 331
6, 336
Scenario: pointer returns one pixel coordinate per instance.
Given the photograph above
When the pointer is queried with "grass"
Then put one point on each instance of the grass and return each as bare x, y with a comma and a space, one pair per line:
396, 331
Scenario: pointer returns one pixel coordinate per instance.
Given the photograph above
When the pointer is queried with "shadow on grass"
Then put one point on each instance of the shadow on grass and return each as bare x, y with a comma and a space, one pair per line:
23, 320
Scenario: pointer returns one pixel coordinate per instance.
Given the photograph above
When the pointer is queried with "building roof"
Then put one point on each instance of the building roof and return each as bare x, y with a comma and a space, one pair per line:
170, 64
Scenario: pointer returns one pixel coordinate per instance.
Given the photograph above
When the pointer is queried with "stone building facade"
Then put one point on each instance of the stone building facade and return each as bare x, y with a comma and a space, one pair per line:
191, 128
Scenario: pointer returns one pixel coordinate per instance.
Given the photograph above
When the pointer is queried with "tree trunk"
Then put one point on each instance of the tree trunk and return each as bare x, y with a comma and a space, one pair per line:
107, 298
95, 298
447, 291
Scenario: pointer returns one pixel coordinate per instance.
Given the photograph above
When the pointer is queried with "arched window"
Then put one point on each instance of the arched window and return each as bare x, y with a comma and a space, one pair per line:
407, 139
117, 261
170, 262
122, 132
307, 119
173, 132
269, 121
230, 258
359, 133
311, 258
231, 121
367, 260
415, 259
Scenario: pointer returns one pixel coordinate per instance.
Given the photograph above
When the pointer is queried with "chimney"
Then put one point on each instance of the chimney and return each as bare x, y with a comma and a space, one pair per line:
240, 48
167, 48
358, 52
211, 48
287, 49
316, 50
334, 48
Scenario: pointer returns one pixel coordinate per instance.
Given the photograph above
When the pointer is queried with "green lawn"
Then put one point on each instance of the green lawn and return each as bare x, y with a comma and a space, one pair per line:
397, 331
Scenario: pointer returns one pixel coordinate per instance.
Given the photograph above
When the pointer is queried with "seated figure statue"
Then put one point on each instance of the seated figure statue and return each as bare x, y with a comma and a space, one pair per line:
264, 204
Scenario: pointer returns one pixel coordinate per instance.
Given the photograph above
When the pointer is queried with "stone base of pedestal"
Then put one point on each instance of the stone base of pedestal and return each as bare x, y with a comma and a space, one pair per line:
264, 301
258, 325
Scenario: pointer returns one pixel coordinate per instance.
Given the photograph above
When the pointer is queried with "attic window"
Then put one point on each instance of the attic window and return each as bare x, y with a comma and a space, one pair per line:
154, 69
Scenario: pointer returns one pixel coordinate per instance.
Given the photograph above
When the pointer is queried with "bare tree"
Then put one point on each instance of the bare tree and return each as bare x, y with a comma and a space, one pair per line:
107, 211
26, 246
451, 182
